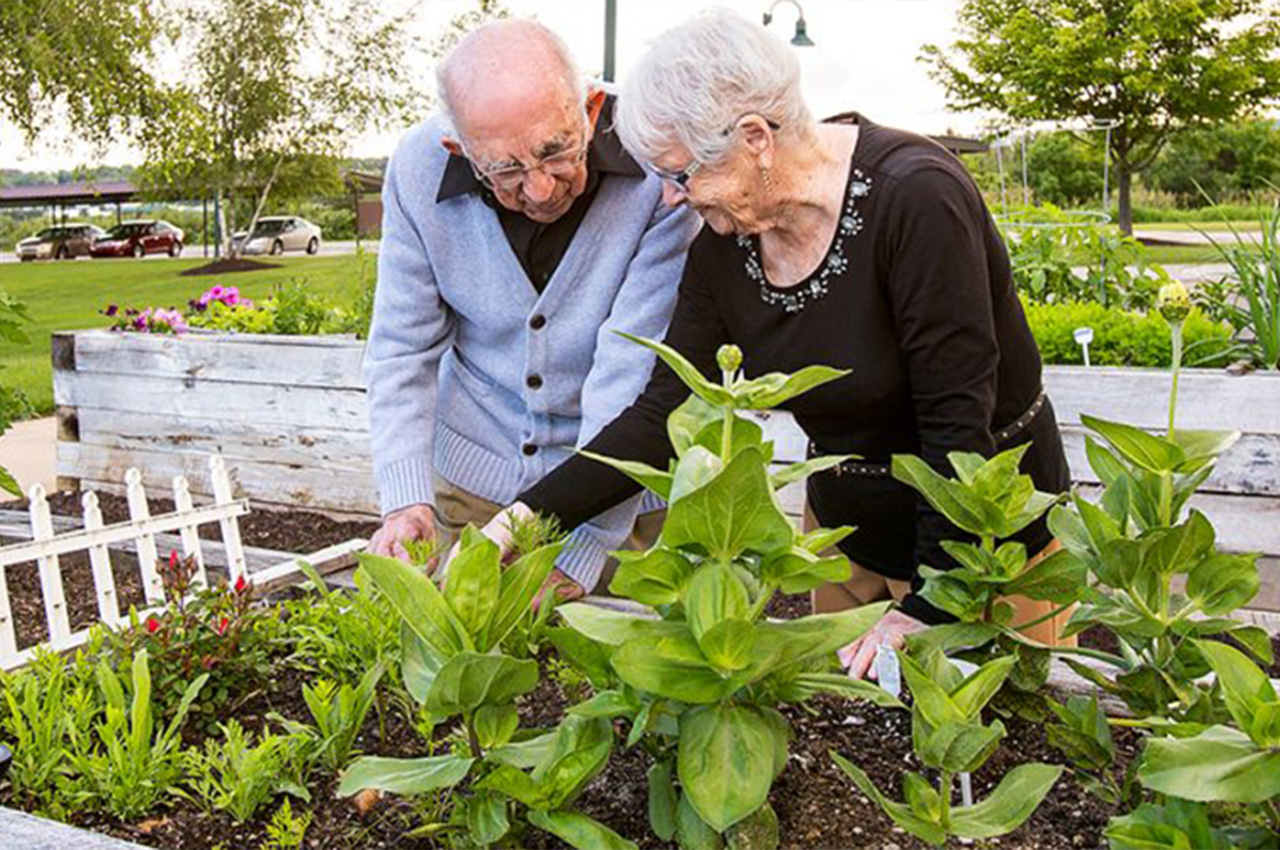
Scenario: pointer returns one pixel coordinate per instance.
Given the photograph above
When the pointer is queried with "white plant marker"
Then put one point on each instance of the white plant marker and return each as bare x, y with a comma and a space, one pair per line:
145, 544
8, 640
55, 602
222, 495
104, 583
967, 668
190, 536
1084, 337
888, 670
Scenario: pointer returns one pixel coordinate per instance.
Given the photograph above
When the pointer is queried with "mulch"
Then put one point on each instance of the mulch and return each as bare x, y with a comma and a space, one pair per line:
228, 266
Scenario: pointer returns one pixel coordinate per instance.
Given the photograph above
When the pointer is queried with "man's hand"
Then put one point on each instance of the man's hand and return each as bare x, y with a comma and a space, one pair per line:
891, 631
565, 589
416, 522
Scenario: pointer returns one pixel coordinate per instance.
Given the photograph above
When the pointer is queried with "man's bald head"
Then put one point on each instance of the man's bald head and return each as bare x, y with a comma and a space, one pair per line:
505, 71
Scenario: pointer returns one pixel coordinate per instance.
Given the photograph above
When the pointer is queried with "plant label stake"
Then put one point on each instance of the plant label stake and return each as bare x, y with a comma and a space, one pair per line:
968, 668
1083, 337
888, 670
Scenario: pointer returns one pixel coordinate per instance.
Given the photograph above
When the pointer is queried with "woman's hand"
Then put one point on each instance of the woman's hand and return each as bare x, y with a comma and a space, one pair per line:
891, 631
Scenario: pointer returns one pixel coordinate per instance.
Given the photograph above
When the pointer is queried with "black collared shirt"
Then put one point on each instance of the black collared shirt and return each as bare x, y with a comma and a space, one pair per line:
540, 247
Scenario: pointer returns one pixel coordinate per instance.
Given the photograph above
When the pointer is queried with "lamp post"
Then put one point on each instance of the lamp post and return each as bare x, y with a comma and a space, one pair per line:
801, 38
610, 38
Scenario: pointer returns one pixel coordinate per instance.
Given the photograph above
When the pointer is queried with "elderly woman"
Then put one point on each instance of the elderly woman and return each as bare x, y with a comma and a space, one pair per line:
847, 244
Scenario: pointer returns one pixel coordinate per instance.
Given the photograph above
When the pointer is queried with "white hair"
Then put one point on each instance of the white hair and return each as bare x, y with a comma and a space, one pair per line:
492, 49
699, 79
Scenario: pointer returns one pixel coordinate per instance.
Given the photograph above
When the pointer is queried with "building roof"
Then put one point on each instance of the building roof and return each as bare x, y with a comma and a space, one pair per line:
93, 192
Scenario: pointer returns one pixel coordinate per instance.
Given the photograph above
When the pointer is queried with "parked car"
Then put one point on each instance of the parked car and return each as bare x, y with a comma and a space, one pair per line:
60, 242
279, 233
139, 238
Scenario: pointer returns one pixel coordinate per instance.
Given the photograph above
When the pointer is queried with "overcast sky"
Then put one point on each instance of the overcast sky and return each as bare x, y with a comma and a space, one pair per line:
865, 58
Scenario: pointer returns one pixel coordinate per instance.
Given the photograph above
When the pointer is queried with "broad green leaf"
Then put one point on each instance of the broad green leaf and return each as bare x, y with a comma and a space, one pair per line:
1223, 582
1219, 764
769, 391
1177, 825
654, 480
419, 602
419, 663
579, 831
735, 513
1058, 578
687, 421
950, 498
662, 800
793, 641
686, 372
947, 590
1015, 798
976, 559
1254, 639
615, 627
404, 776
517, 785
520, 583
467, 681
757, 831
605, 704
820, 540
495, 724
746, 434
1152, 453
471, 578
584, 654
1203, 446
672, 667
923, 798
1083, 734
697, 468
981, 686
10, 484
950, 636
728, 644
692, 832
487, 817
966, 465
524, 755
799, 570
656, 577
803, 469
726, 761
901, 814
1178, 549
714, 594
806, 685
954, 746
931, 699
1245, 687
1104, 464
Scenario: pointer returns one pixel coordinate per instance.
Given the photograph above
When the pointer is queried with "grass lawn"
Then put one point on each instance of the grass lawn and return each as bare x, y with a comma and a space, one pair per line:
1167, 255
68, 295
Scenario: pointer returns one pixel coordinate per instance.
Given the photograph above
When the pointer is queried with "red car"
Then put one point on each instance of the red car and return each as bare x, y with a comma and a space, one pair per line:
139, 238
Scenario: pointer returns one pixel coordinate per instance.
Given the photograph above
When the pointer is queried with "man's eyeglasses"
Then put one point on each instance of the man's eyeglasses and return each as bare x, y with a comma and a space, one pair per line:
508, 179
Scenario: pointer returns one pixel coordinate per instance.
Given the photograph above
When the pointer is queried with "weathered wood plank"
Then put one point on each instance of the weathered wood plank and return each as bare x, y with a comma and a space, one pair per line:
275, 404
1207, 398
277, 360
278, 443
28, 832
319, 487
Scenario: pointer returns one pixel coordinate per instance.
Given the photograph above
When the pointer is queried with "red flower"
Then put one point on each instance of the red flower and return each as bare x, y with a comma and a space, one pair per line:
153, 625
173, 559
241, 584
221, 627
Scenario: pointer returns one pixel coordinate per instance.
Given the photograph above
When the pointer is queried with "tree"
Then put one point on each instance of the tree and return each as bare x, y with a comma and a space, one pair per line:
275, 91
87, 58
1155, 66
1229, 159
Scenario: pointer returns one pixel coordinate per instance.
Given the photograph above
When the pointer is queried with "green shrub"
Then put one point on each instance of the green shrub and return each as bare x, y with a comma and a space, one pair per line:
1123, 338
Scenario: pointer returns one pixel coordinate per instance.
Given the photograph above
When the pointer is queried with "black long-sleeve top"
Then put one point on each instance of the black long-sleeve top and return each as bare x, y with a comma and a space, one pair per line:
916, 300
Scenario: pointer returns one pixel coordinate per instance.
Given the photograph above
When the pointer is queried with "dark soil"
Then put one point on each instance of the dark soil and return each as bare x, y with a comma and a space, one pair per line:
299, 532
226, 266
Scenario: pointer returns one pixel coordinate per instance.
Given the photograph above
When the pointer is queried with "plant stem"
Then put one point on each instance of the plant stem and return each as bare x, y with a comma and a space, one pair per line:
1096, 654
945, 794
726, 436
1038, 620
766, 594
472, 739
1176, 334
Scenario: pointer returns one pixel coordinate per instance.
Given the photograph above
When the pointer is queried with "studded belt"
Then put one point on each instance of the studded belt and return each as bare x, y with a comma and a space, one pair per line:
882, 470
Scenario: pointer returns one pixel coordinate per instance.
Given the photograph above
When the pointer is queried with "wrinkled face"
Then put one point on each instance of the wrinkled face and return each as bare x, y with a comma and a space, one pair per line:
729, 195
531, 152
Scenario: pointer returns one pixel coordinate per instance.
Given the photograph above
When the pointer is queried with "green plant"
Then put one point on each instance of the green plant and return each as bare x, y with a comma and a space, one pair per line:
948, 736
13, 404
286, 831
43, 705
1253, 305
340, 635
128, 762
1123, 337
339, 713
238, 777
701, 683
220, 632
453, 666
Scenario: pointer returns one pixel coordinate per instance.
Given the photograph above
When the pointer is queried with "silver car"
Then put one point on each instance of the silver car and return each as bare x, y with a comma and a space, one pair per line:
279, 233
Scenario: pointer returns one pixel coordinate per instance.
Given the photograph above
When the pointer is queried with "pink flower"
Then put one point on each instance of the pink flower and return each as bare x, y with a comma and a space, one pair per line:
215, 293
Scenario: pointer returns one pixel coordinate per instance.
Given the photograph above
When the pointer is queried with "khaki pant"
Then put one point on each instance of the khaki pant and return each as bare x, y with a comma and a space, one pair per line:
457, 508
865, 586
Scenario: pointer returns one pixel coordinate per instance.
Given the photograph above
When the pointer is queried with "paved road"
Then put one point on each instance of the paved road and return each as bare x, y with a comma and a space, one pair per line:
327, 249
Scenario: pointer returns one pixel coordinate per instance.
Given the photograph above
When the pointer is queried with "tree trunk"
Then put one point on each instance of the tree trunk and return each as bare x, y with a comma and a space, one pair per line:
1124, 188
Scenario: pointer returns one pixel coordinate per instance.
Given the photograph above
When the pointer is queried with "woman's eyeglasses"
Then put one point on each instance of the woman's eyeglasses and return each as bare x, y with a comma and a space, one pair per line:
682, 178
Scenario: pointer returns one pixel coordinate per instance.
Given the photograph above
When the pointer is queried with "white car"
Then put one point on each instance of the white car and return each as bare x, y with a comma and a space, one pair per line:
279, 233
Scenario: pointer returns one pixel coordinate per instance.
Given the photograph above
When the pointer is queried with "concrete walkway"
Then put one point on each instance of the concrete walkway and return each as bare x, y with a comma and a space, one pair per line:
28, 451
1196, 237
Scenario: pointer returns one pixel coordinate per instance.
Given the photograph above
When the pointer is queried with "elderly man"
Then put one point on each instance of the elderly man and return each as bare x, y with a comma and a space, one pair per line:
517, 237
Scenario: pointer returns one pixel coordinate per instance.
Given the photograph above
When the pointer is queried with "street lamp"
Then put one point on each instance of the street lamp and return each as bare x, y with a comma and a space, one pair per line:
801, 38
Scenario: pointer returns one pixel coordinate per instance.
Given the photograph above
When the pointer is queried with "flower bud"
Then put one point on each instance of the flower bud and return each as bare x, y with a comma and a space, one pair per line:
729, 357
1173, 302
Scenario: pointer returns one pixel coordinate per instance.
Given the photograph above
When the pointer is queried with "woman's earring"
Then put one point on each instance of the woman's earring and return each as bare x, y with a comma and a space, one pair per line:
768, 180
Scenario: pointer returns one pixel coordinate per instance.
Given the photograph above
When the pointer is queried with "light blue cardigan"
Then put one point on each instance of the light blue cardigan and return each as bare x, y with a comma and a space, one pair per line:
451, 346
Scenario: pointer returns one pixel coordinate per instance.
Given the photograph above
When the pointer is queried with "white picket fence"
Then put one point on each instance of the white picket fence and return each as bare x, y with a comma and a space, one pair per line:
96, 538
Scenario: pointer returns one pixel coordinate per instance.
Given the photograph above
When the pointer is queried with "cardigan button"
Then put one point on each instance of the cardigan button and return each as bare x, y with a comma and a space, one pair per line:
533, 382
529, 449
537, 321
